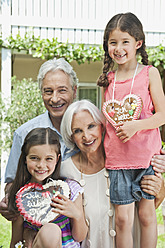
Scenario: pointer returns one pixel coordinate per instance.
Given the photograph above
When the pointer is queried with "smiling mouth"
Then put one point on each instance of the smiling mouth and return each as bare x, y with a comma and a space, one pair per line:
119, 56
41, 172
57, 106
89, 143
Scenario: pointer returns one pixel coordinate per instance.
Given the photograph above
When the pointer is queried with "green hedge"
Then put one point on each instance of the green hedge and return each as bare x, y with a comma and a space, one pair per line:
26, 103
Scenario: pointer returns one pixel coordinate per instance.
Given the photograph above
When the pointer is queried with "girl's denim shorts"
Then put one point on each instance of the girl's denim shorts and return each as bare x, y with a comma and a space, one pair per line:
125, 185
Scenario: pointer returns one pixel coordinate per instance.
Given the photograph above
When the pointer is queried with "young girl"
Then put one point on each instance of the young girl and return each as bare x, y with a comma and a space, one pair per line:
134, 142
40, 159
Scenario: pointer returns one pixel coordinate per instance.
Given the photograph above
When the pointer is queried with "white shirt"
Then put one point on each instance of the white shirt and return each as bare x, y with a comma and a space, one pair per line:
97, 207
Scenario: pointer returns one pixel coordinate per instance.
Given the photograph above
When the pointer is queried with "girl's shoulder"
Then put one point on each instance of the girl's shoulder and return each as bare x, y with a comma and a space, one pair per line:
154, 74
110, 76
75, 188
153, 70
143, 71
149, 70
73, 183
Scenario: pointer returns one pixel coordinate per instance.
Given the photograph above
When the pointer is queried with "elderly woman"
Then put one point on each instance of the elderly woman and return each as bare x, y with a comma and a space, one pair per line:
82, 128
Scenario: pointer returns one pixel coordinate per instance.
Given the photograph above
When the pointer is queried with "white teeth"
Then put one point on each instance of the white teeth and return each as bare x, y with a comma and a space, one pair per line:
89, 143
120, 56
41, 172
57, 106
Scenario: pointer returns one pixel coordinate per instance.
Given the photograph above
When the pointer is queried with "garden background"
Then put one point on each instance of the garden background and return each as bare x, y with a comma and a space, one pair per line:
33, 31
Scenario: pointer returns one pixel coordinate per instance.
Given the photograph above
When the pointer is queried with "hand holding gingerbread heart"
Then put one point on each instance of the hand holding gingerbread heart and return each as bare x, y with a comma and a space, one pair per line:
33, 200
118, 112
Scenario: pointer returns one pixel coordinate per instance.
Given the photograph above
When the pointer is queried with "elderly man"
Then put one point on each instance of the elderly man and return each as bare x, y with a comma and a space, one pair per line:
58, 84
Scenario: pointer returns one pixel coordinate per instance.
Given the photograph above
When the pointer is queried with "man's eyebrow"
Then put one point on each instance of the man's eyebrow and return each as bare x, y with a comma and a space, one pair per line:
63, 87
59, 87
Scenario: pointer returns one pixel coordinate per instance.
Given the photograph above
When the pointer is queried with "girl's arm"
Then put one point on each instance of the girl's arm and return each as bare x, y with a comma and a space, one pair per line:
17, 231
79, 226
128, 129
73, 210
102, 96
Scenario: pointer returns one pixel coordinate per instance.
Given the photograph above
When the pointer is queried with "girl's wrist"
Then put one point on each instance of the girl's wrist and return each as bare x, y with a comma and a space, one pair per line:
77, 216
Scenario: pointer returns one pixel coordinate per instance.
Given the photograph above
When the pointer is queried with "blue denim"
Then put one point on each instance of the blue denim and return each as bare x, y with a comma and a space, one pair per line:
125, 185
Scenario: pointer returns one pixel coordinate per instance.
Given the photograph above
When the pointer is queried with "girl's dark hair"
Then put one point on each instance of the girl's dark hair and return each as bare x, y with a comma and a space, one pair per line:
129, 23
37, 136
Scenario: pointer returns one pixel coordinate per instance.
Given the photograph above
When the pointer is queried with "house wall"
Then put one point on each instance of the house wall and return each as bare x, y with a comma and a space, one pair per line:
27, 67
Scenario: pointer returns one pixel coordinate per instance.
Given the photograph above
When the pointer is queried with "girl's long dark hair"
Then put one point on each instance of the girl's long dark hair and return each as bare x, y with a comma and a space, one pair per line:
38, 136
129, 23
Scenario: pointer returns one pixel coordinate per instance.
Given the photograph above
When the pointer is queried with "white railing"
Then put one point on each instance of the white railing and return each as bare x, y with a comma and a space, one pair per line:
83, 20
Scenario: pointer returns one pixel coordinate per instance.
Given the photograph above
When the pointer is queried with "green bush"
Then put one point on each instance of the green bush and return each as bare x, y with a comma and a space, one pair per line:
26, 103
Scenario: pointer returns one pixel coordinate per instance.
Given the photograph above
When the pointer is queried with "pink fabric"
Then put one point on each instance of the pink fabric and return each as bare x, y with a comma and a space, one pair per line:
138, 151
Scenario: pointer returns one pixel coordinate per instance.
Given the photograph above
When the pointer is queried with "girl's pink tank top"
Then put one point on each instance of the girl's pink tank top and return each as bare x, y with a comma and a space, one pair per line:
138, 151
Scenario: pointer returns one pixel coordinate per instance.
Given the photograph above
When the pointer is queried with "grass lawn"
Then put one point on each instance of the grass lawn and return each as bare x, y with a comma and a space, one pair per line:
5, 231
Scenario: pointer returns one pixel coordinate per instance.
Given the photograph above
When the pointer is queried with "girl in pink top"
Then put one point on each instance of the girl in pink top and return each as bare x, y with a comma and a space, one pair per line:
130, 145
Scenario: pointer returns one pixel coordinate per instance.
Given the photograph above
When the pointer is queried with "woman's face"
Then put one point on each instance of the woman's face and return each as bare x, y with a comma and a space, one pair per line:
87, 134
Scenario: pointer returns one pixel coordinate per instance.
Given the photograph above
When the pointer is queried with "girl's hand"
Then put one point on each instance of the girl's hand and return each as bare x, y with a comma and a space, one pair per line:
65, 206
158, 162
126, 130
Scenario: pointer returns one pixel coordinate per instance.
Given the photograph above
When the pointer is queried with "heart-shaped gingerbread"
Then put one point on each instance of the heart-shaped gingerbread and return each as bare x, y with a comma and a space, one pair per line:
33, 200
117, 112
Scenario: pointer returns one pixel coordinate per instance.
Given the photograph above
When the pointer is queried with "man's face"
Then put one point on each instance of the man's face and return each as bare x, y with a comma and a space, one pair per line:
57, 94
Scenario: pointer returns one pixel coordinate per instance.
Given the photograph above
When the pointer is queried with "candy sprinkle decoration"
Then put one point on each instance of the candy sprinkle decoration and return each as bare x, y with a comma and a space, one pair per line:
117, 112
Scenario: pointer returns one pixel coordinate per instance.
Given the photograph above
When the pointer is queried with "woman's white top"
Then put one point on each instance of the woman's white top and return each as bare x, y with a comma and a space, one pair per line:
99, 213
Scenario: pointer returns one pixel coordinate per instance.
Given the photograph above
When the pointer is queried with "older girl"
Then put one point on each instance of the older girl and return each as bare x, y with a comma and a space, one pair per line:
134, 142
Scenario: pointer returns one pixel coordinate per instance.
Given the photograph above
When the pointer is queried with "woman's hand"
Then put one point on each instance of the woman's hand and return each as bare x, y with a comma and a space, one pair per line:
158, 162
154, 185
151, 184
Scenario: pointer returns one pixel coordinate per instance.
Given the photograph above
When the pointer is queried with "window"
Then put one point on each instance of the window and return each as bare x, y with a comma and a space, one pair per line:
89, 91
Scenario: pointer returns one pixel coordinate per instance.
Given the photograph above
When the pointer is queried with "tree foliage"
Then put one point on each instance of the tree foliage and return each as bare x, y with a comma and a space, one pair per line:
26, 103
47, 49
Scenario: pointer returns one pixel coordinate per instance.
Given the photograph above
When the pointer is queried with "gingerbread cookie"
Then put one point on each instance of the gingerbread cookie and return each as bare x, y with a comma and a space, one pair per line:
33, 200
117, 112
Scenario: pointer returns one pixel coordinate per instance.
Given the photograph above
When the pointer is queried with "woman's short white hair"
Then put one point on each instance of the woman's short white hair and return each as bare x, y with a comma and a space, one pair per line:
74, 108
56, 64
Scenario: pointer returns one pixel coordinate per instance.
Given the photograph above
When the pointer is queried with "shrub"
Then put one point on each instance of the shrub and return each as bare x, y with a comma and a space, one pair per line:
26, 103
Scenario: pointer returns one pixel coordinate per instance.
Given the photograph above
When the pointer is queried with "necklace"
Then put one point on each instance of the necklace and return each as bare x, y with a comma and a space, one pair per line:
127, 109
110, 212
82, 181
133, 79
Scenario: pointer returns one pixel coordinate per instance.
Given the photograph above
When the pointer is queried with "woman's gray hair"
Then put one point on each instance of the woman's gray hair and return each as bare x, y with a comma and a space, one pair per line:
67, 119
56, 64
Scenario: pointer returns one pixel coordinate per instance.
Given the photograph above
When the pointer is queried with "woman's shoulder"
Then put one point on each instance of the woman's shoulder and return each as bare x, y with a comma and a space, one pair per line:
66, 162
